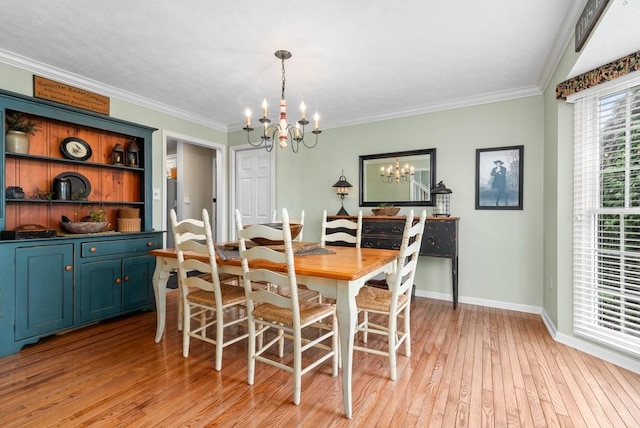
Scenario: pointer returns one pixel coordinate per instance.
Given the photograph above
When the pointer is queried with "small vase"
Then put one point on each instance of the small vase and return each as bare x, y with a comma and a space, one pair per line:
17, 142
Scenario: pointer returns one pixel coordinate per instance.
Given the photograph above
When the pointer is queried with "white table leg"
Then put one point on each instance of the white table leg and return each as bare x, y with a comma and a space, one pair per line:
160, 277
347, 315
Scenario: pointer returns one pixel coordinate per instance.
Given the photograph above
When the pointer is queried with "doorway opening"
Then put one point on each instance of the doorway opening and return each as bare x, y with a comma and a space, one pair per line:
197, 182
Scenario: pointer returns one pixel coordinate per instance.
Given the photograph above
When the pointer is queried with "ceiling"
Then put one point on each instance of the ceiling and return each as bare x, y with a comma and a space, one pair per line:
353, 61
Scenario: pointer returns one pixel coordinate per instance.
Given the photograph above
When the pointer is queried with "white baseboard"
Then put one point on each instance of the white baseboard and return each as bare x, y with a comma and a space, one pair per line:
481, 302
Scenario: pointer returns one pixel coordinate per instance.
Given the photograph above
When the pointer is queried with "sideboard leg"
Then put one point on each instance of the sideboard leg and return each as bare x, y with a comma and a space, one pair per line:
454, 277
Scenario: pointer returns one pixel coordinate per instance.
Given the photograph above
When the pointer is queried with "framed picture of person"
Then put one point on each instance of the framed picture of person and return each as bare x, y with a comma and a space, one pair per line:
499, 178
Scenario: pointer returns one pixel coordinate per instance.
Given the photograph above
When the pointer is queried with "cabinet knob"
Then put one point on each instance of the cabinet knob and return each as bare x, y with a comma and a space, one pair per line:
126, 278
92, 249
149, 244
431, 240
68, 268
118, 280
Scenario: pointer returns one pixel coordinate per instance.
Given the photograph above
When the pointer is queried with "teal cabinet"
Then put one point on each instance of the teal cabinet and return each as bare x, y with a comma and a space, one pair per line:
108, 287
44, 290
51, 284
99, 291
138, 286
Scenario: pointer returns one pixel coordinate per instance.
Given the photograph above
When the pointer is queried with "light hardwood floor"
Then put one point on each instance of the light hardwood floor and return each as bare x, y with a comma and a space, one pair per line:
471, 367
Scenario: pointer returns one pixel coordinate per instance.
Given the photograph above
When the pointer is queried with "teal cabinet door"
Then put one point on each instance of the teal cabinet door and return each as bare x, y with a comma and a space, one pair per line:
44, 290
99, 291
138, 285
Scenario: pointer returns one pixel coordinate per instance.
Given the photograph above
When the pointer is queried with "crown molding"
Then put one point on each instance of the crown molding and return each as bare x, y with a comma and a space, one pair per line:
69, 78
562, 40
428, 108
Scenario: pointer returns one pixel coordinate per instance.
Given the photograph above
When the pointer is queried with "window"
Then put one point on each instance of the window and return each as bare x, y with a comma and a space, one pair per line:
606, 268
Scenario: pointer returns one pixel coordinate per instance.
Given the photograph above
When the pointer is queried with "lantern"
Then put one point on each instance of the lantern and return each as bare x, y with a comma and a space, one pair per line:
117, 155
133, 154
442, 202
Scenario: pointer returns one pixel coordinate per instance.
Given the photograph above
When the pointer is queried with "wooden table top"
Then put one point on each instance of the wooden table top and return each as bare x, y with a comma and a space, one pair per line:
346, 264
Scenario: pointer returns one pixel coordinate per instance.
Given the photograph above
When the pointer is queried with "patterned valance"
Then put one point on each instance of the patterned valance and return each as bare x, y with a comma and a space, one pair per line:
605, 73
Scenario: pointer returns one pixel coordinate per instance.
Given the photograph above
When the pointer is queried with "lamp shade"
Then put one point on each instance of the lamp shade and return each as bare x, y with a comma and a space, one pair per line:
342, 185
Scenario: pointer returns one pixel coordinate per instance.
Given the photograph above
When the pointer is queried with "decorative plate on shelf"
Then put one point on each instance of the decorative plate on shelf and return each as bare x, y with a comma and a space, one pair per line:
75, 148
80, 185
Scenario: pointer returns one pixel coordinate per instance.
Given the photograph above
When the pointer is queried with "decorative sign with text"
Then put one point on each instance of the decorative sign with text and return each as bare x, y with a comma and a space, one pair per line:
64, 94
588, 18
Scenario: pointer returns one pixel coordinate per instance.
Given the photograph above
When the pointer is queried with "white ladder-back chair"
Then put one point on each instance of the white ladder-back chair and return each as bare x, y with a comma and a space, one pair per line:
286, 316
274, 218
207, 302
341, 236
395, 302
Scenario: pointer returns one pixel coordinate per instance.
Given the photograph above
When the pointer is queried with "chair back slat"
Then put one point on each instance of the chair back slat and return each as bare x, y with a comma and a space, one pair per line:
260, 252
408, 258
331, 238
188, 236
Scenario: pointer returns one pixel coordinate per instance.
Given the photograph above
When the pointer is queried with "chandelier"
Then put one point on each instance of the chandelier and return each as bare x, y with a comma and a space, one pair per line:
397, 175
282, 130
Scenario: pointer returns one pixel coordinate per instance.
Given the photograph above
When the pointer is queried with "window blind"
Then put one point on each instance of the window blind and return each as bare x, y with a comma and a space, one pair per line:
606, 241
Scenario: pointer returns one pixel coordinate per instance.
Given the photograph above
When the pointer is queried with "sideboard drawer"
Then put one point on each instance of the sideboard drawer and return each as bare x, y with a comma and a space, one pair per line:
384, 227
379, 242
108, 248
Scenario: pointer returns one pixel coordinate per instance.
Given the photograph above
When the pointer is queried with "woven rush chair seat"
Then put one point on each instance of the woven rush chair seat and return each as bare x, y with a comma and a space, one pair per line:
230, 294
309, 312
377, 299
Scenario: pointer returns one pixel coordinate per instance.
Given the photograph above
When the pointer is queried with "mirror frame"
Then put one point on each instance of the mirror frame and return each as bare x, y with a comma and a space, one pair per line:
400, 155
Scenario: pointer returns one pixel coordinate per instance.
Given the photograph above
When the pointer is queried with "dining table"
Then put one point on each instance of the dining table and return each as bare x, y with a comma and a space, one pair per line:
338, 274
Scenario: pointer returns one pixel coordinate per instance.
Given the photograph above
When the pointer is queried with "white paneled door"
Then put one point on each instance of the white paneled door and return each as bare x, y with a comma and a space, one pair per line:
254, 185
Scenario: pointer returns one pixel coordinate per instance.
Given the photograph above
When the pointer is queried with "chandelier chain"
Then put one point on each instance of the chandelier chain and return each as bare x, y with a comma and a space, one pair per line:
283, 80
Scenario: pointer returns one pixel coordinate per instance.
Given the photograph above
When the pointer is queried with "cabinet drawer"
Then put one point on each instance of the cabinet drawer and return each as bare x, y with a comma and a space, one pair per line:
107, 248
382, 243
393, 228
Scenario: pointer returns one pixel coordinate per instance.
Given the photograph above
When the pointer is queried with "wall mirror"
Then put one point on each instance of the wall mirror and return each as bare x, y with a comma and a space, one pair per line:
398, 178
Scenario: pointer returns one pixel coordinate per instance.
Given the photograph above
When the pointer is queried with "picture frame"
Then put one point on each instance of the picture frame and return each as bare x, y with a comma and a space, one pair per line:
75, 148
499, 178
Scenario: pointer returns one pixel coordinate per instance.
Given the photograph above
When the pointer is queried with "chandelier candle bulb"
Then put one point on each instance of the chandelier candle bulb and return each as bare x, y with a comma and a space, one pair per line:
264, 108
303, 110
247, 113
316, 118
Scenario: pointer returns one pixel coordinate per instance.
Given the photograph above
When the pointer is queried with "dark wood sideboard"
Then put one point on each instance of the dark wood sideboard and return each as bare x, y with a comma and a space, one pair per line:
440, 238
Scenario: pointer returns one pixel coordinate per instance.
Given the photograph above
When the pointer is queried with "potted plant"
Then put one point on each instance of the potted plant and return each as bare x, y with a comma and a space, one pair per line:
18, 130
385, 209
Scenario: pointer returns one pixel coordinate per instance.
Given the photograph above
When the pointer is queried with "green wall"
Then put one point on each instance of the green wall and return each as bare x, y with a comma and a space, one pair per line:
500, 251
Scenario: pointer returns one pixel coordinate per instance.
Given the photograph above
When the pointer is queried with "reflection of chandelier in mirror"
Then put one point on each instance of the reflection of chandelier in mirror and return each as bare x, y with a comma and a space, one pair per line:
283, 130
389, 175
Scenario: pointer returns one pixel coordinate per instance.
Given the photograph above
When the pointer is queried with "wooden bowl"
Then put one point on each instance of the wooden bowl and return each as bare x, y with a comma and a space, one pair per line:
295, 229
385, 211
85, 226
